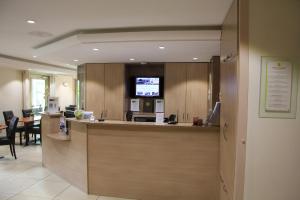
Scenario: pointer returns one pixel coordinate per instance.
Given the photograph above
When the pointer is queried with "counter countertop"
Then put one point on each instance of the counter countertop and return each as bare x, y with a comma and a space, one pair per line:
152, 124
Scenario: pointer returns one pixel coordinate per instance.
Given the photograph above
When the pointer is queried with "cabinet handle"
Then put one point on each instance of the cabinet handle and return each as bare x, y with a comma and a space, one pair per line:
187, 116
225, 126
183, 116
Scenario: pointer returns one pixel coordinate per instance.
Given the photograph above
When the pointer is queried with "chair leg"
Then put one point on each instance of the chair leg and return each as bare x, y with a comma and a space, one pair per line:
13, 146
20, 137
35, 138
11, 151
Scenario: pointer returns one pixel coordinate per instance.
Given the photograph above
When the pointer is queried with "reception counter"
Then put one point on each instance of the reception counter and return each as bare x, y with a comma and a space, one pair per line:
134, 160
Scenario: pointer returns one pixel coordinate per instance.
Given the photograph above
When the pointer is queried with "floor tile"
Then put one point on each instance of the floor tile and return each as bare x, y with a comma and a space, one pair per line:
48, 189
73, 193
111, 198
26, 197
4, 196
16, 185
54, 177
35, 172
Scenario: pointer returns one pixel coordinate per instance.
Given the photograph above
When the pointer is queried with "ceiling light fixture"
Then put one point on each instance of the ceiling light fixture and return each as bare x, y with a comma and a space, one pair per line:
75, 60
195, 58
30, 22
34, 56
131, 59
161, 47
95, 49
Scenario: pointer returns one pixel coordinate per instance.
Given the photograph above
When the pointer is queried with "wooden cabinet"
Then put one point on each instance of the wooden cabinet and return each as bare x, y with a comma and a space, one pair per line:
186, 90
114, 91
175, 90
94, 90
105, 90
196, 91
229, 103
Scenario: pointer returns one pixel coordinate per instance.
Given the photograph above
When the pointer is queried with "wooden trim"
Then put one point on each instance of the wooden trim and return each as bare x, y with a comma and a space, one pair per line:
243, 86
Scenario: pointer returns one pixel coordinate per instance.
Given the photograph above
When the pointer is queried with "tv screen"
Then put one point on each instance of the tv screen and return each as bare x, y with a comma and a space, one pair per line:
147, 86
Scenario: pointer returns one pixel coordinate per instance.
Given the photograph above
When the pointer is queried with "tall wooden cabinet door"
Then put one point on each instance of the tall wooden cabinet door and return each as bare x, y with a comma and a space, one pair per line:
229, 100
197, 91
114, 91
175, 90
94, 88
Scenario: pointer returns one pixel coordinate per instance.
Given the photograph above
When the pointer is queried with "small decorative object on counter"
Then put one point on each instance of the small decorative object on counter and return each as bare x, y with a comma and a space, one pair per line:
78, 114
200, 122
92, 118
62, 125
195, 121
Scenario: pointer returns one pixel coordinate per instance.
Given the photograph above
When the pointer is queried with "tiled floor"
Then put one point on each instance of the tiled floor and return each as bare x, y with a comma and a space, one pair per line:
26, 179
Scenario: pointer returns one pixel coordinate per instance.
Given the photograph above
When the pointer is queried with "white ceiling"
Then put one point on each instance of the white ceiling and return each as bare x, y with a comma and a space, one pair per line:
60, 17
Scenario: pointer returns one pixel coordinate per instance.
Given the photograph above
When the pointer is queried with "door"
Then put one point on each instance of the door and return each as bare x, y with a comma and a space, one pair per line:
95, 88
229, 100
114, 91
175, 90
39, 85
197, 90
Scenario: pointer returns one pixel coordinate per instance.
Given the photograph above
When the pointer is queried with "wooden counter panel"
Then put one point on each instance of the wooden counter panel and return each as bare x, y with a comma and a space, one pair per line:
68, 159
152, 164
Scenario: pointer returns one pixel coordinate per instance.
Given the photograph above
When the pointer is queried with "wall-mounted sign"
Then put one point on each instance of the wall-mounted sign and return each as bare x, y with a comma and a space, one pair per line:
278, 91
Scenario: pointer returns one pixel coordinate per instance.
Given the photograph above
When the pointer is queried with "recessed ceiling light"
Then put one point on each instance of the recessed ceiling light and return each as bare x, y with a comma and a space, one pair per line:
131, 59
75, 60
162, 47
34, 56
95, 49
30, 22
195, 58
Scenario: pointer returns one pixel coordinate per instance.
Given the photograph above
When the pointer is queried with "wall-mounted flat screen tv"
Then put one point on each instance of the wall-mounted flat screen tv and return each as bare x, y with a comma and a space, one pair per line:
148, 87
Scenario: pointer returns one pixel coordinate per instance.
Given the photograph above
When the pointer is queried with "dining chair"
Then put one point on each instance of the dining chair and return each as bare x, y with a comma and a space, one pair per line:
9, 139
27, 112
30, 127
8, 115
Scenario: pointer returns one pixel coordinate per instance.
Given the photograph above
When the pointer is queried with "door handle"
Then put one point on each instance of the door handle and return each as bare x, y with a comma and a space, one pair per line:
224, 129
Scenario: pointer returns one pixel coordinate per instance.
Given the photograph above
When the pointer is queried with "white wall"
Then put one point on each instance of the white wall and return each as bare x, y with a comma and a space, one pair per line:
66, 94
273, 145
10, 91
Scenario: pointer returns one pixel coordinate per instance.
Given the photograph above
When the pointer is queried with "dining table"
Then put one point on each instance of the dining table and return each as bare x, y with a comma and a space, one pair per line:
2, 127
29, 121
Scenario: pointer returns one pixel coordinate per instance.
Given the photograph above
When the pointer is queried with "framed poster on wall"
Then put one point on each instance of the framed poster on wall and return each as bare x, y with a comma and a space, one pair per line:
278, 88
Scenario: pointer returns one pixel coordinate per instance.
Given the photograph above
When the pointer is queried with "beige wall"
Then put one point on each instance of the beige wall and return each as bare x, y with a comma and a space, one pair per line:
66, 94
273, 145
10, 91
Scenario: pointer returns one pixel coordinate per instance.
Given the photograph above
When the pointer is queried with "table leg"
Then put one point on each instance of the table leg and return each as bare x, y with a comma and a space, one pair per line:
26, 136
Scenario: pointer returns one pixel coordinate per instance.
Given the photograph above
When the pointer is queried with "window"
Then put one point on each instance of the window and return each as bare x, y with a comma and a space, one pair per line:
39, 92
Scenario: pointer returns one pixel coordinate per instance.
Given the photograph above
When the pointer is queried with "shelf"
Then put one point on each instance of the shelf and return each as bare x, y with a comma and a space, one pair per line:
57, 136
